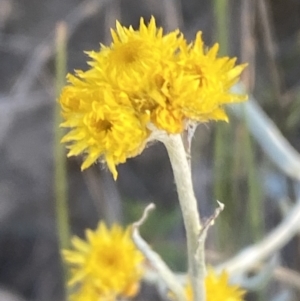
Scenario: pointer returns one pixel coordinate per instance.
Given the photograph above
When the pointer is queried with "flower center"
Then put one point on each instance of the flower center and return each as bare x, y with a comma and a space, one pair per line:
100, 125
124, 55
110, 260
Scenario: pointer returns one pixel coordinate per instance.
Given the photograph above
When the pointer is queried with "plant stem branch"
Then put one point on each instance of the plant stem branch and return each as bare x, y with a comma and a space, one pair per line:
60, 172
191, 217
165, 274
275, 240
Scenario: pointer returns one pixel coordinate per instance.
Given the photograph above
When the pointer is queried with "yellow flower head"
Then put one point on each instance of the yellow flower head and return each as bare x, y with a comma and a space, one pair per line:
103, 125
105, 266
214, 77
218, 288
135, 55
143, 78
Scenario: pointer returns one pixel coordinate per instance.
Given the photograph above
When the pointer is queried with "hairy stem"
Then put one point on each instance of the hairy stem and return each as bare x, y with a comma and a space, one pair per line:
191, 217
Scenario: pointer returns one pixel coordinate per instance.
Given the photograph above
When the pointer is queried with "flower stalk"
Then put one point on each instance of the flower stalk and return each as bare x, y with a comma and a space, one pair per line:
148, 86
190, 213
60, 171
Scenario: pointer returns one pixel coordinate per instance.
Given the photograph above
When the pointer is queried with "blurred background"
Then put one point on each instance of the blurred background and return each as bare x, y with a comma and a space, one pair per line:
228, 164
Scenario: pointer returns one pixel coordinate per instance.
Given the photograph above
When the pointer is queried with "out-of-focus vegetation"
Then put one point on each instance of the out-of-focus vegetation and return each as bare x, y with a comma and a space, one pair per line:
228, 164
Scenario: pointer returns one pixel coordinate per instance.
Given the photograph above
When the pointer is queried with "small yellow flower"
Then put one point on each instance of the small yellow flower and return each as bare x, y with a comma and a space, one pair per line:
103, 125
134, 56
214, 77
144, 79
218, 288
105, 266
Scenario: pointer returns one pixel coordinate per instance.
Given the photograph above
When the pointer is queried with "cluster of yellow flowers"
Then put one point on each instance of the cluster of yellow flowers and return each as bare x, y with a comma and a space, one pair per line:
143, 78
106, 266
